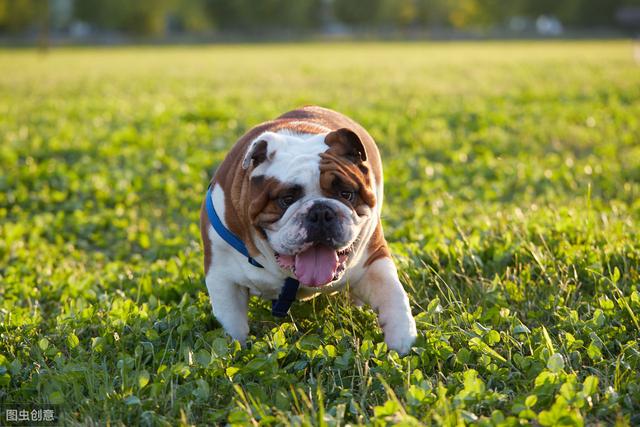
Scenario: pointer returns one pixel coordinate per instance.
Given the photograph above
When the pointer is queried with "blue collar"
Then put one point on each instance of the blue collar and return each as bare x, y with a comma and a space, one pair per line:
280, 306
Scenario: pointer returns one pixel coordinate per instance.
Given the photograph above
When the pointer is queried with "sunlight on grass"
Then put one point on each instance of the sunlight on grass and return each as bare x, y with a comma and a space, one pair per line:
512, 200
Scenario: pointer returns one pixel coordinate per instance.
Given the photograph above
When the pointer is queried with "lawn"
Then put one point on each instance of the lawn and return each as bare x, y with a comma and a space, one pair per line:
512, 203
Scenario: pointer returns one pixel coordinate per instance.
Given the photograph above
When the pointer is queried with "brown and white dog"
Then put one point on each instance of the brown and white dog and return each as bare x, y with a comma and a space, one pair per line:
303, 193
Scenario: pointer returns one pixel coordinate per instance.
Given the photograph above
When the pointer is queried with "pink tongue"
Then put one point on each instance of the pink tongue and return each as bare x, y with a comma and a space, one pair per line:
317, 265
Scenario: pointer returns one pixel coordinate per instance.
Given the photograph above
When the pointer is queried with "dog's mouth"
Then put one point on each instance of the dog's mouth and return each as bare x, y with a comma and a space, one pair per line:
316, 264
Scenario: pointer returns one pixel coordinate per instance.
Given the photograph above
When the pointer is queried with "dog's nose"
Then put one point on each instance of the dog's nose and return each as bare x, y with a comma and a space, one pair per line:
321, 215
322, 224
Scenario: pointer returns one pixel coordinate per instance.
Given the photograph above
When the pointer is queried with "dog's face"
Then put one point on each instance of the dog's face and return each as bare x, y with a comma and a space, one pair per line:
310, 200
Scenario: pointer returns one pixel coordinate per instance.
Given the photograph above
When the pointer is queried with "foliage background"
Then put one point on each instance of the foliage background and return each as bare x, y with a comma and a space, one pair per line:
260, 18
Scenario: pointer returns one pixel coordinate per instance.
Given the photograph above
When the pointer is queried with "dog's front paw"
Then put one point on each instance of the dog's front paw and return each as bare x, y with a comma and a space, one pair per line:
400, 335
238, 332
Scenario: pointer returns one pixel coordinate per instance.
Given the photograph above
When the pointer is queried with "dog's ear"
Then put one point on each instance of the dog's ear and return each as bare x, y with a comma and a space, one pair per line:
344, 142
260, 150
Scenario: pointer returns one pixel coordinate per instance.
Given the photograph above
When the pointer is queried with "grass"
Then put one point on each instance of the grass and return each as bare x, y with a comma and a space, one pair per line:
512, 208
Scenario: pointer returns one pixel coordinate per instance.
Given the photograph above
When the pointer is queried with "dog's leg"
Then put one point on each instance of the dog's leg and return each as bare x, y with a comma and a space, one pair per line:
382, 290
230, 304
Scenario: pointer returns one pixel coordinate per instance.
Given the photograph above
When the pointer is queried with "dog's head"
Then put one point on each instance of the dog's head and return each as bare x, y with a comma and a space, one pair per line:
311, 197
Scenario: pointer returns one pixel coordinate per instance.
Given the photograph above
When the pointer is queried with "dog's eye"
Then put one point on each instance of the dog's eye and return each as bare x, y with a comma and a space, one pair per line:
347, 195
286, 201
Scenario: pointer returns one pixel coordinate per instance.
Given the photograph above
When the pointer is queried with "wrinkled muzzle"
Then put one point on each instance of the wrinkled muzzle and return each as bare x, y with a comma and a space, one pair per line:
316, 241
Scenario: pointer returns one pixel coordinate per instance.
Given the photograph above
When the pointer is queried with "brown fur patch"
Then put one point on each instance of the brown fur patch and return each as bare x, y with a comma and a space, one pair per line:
377, 247
264, 208
339, 173
344, 142
259, 153
206, 242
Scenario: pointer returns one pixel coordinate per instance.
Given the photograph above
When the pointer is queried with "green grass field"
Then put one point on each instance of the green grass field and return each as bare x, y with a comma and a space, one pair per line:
512, 208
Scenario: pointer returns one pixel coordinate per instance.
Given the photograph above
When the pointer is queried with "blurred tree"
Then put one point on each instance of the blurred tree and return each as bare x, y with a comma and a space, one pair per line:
20, 15
400, 13
136, 17
492, 12
432, 13
249, 15
190, 15
464, 13
357, 12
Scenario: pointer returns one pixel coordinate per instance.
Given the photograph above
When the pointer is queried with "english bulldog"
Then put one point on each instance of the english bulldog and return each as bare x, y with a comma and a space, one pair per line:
293, 211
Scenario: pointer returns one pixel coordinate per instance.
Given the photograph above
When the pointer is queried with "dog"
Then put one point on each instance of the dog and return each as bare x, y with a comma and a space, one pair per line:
293, 211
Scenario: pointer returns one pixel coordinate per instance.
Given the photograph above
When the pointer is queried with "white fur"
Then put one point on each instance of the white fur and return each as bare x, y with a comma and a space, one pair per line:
382, 290
294, 158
